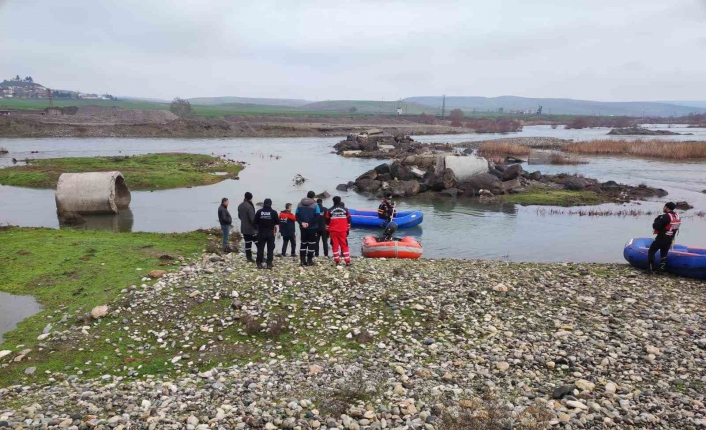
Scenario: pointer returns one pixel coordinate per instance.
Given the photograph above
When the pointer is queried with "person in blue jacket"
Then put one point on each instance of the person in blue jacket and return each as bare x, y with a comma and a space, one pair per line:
307, 215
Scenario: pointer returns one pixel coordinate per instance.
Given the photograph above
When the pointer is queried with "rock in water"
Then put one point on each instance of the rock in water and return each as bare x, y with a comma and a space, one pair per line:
99, 312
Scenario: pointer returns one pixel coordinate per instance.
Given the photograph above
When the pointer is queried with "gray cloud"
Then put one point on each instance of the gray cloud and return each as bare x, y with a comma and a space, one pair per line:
365, 49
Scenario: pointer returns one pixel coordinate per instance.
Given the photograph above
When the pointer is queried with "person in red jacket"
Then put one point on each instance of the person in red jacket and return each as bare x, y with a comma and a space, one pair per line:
338, 223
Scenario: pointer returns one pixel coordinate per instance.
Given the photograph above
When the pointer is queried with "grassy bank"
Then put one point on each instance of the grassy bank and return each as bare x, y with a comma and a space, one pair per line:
72, 271
666, 149
141, 172
542, 196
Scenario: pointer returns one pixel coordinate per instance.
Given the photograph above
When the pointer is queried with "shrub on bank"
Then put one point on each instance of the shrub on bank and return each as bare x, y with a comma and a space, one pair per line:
502, 148
502, 125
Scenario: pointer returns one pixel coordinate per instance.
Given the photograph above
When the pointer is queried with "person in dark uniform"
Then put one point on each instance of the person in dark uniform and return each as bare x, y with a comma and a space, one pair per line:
266, 220
226, 222
246, 214
665, 227
386, 210
287, 228
307, 215
322, 233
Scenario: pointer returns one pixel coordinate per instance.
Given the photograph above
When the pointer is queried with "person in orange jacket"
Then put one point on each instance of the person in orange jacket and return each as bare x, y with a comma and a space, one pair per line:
338, 222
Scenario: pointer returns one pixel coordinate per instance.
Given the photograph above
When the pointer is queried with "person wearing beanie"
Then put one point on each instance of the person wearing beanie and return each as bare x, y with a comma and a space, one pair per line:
307, 215
321, 233
246, 214
338, 222
666, 227
266, 221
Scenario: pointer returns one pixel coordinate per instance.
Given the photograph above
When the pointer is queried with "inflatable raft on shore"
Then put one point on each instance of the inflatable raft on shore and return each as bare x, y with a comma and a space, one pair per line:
406, 219
682, 260
403, 248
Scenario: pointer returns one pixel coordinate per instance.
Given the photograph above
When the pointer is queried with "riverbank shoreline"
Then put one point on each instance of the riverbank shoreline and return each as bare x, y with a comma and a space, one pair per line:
215, 341
19, 127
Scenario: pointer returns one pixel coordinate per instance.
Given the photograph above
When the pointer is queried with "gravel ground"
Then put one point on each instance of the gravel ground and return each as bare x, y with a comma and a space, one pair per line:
383, 344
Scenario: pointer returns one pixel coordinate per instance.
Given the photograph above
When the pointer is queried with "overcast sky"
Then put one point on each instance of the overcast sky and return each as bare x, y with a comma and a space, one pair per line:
613, 50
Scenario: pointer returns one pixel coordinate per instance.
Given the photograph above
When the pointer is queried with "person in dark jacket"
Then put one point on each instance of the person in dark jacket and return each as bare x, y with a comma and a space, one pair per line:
386, 210
665, 227
321, 234
246, 214
307, 215
287, 228
266, 220
226, 222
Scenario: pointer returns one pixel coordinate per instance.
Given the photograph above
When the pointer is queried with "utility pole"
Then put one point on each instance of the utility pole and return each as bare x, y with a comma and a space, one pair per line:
443, 106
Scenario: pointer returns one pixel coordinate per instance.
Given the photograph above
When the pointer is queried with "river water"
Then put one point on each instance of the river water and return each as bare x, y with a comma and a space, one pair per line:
452, 228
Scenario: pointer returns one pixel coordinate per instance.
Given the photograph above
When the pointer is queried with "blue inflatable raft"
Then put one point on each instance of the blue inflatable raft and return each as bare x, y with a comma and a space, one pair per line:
681, 260
370, 219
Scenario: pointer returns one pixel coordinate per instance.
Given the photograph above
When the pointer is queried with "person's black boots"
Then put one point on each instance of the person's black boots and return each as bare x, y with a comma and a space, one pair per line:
270, 266
248, 255
663, 265
302, 260
310, 261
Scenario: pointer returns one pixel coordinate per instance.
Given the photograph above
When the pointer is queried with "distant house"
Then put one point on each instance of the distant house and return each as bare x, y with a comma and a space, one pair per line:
4, 113
22, 89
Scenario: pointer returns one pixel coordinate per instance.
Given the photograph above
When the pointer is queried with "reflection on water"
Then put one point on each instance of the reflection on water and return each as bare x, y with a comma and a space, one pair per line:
452, 227
14, 309
120, 223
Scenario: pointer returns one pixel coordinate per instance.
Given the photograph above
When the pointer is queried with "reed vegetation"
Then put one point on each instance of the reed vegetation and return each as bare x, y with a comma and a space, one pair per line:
666, 149
502, 148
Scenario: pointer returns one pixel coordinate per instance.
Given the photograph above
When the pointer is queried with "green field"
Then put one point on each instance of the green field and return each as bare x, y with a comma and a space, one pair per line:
331, 108
70, 272
141, 172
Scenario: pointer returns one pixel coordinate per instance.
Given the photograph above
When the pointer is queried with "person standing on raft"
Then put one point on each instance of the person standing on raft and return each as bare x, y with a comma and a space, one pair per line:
246, 214
665, 227
338, 223
307, 215
386, 210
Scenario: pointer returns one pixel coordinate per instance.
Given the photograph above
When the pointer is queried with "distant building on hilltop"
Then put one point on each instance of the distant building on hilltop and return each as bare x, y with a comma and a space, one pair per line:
23, 89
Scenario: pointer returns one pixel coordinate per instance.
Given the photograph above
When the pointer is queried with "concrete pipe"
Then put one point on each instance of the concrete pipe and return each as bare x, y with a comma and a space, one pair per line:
92, 193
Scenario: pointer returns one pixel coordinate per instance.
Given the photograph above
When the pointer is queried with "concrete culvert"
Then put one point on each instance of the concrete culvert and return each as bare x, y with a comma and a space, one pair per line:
92, 193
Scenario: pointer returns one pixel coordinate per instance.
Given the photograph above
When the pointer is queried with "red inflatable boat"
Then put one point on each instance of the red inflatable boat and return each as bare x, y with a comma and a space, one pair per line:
403, 248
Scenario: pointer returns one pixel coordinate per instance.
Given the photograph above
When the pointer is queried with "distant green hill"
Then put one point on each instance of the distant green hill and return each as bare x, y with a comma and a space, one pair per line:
557, 106
369, 107
248, 101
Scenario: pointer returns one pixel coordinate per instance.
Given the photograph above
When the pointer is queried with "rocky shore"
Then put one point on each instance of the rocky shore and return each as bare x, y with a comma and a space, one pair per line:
385, 344
640, 131
431, 173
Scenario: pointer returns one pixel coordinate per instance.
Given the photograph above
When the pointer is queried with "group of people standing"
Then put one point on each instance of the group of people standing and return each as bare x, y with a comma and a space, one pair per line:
316, 223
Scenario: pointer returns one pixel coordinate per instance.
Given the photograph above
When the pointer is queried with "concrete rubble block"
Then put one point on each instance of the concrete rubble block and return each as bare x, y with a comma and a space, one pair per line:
485, 181
92, 193
466, 167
